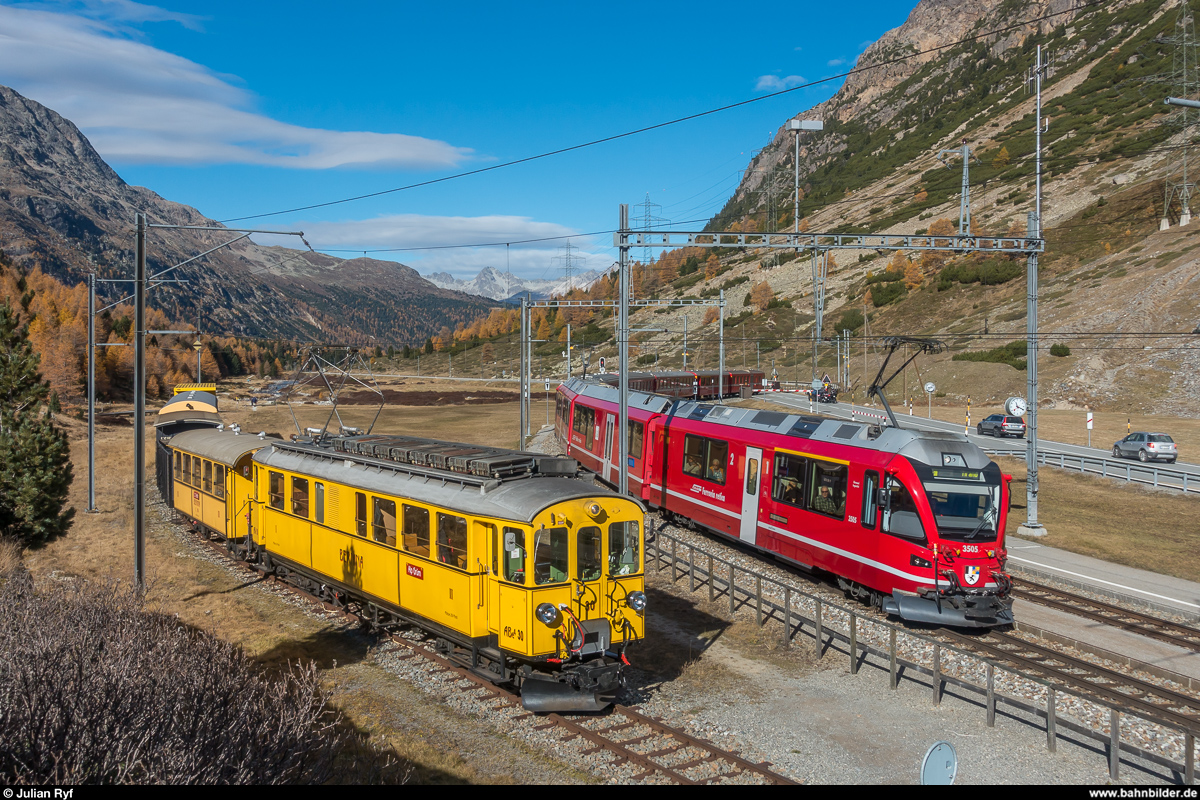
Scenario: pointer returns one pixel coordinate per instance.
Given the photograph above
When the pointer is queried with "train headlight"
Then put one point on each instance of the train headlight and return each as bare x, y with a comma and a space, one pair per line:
636, 601
548, 614
594, 509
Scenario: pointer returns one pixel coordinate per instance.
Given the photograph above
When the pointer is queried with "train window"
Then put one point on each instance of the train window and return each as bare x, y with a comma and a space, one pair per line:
219, 480
550, 551
870, 509
585, 420
360, 514
196, 470
705, 458
300, 496
383, 520
693, 456
636, 431
624, 557
590, 557
208, 476
751, 476
900, 515
178, 464
416, 530
319, 498
275, 489
789, 479
514, 555
828, 491
452, 540
187, 469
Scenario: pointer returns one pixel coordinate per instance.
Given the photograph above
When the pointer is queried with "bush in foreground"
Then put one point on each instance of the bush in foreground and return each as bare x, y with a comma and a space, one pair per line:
94, 689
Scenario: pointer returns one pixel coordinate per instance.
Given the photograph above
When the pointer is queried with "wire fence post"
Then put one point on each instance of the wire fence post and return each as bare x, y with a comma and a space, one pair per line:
732, 602
991, 695
1189, 758
1051, 721
853, 644
787, 616
937, 675
893, 676
1114, 743
817, 622
758, 597
673, 559
691, 569
711, 588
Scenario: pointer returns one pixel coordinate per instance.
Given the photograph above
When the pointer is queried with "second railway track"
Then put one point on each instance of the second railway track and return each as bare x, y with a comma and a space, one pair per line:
1164, 630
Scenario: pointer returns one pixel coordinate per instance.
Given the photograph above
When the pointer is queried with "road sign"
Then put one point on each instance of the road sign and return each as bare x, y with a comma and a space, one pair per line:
1089, 420
196, 345
930, 388
547, 384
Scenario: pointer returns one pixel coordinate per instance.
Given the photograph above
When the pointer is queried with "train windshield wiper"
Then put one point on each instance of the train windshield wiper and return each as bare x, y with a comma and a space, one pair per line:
982, 521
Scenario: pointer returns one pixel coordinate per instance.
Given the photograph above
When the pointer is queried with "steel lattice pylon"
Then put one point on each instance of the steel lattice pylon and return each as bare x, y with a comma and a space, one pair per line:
1184, 82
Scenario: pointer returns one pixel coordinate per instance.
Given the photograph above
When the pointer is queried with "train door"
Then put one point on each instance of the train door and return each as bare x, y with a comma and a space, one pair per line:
608, 449
513, 608
197, 503
493, 580
750, 493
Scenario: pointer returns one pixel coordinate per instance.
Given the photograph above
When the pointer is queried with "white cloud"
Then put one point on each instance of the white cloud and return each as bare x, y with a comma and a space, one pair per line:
115, 10
138, 104
530, 259
835, 62
774, 83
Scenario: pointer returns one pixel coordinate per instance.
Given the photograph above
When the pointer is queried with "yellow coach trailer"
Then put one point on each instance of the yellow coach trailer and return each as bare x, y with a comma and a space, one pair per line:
213, 479
537, 579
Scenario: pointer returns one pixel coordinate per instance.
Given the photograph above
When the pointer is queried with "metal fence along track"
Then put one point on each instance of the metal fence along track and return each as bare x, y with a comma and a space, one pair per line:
744, 588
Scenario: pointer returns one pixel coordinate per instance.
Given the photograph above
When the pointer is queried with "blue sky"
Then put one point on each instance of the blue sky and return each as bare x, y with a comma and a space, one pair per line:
246, 108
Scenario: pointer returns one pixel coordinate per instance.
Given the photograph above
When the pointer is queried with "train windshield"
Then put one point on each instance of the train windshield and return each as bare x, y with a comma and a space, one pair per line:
964, 512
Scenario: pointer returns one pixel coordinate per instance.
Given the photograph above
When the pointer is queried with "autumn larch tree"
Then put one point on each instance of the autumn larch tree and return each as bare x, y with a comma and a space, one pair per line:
760, 295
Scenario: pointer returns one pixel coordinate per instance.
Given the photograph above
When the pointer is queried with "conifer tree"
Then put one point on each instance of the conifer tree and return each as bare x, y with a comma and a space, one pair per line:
35, 458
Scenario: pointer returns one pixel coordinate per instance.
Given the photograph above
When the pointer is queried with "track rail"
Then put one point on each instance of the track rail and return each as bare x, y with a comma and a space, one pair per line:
663, 753
1129, 694
1164, 630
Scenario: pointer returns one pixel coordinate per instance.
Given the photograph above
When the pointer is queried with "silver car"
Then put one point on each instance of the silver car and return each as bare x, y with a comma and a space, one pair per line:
1147, 447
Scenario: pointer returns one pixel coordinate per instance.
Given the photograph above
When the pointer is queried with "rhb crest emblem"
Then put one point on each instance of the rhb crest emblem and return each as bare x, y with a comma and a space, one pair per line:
972, 575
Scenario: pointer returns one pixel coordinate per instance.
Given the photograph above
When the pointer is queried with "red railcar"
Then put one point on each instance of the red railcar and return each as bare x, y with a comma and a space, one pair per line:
700, 385
912, 521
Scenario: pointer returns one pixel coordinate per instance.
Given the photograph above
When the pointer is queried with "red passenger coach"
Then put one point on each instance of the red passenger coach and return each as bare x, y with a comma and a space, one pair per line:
912, 521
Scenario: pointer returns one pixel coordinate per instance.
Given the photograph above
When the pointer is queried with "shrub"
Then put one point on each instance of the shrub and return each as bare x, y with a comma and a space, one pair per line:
885, 293
851, 320
1059, 350
94, 689
1012, 354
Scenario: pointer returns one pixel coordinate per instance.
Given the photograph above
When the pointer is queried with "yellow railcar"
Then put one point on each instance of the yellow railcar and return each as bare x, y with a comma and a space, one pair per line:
525, 575
213, 480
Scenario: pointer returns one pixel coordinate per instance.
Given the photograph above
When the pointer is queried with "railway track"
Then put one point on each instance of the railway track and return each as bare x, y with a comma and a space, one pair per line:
657, 752
1152, 627
1133, 695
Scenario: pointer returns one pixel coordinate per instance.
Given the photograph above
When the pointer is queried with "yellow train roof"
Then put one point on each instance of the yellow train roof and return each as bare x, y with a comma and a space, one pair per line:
211, 388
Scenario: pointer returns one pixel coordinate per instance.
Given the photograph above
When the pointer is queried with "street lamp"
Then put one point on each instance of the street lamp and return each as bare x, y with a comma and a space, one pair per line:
798, 125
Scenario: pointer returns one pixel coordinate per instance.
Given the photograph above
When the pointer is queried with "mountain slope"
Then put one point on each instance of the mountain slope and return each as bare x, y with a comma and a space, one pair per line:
1121, 294
63, 207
